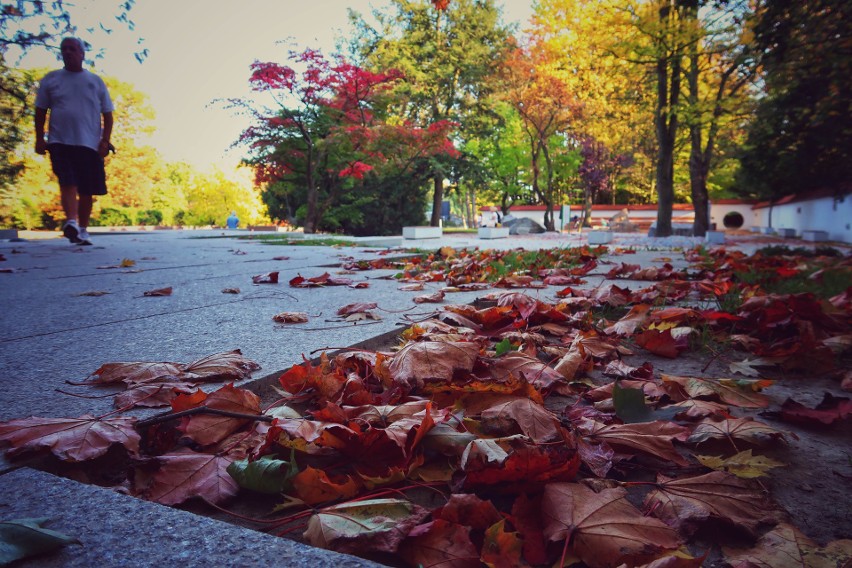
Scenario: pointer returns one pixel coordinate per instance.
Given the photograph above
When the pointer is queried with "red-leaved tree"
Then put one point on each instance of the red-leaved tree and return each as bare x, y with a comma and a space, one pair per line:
328, 130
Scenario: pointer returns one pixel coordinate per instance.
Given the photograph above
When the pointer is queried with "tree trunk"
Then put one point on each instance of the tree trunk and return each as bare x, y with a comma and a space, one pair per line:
668, 91
549, 224
437, 200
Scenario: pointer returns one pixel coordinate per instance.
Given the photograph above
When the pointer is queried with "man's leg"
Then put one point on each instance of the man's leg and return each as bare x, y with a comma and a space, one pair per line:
85, 210
69, 202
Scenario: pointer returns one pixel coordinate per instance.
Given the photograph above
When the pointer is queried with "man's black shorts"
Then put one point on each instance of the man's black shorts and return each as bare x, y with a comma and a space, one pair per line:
78, 166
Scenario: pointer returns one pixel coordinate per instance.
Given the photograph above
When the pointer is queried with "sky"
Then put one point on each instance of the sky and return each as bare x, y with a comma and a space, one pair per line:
199, 52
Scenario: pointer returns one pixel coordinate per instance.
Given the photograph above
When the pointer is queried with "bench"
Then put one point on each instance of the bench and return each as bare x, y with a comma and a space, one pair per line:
421, 232
786, 233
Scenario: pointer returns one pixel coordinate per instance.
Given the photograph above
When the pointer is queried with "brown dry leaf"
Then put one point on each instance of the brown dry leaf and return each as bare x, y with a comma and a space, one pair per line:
435, 298
654, 438
358, 307
502, 548
362, 316
230, 290
70, 439
134, 372
186, 474
158, 292
689, 502
746, 429
534, 420
315, 486
417, 287
519, 365
290, 317
153, 394
93, 293
362, 527
741, 392
424, 361
786, 547
636, 317
207, 429
225, 366
440, 543
602, 529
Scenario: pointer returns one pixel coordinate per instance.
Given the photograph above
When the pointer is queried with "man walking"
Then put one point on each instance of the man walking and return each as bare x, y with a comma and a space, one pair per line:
78, 138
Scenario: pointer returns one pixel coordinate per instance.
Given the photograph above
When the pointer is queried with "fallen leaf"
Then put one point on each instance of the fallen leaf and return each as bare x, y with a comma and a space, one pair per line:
746, 429
742, 393
440, 543
25, 538
827, 413
230, 290
602, 529
423, 361
70, 439
435, 298
786, 547
689, 502
636, 317
315, 486
535, 421
207, 429
653, 438
268, 278
742, 464
364, 526
747, 366
158, 292
266, 474
417, 287
93, 293
502, 548
357, 307
186, 474
469, 510
225, 366
290, 317
133, 372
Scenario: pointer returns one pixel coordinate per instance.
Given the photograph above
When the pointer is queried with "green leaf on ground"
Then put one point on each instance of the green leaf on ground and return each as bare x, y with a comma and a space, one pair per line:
630, 404
264, 475
24, 538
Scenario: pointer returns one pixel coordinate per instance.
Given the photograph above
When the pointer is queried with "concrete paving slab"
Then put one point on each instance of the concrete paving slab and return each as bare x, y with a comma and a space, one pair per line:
117, 530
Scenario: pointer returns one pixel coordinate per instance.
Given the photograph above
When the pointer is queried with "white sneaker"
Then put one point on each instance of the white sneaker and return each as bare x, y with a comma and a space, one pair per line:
83, 237
71, 231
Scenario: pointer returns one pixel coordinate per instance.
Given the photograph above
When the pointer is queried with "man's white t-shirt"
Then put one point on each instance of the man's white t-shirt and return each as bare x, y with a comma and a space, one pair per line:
76, 101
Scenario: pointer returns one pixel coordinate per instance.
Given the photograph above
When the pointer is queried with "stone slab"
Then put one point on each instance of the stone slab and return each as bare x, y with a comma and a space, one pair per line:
815, 236
421, 232
493, 232
118, 530
715, 237
599, 237
8, 233
786, 233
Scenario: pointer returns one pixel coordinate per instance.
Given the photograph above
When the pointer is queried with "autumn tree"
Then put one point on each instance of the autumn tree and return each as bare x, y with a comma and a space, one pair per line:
547, 109
598, 173
447, 52
719, 71
328, 132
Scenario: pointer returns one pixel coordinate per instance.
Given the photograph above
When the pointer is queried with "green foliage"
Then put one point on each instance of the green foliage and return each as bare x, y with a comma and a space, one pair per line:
801, 137
112, 217
149, 217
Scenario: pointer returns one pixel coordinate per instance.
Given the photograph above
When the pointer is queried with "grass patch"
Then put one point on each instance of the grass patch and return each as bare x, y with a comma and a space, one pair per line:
829, 282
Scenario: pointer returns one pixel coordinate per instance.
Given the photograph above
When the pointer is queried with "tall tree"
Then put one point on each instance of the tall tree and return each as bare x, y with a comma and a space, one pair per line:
801, 138
547, 109
330, 131
447, 52
720, 68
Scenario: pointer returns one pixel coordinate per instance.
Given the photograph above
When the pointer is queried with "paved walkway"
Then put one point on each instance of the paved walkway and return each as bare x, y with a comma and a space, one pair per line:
66, 310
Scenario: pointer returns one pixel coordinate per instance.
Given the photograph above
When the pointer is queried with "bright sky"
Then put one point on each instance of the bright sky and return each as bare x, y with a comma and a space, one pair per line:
200, 51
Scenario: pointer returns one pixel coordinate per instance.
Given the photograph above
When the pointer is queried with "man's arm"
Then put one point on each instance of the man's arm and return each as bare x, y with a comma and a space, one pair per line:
40, 142
103, 146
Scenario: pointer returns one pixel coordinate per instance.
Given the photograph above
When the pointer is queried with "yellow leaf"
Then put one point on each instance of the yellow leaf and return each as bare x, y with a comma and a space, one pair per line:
127, 263
743, 464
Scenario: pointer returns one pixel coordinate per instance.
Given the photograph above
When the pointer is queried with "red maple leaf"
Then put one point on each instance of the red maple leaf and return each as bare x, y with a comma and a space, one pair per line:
186, 474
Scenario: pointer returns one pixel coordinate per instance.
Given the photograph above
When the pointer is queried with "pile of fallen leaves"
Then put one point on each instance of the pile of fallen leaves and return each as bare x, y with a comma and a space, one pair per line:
506, 433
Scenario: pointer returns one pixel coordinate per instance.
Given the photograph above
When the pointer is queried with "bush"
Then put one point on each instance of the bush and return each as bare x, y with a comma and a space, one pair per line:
149, 217
110, 217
